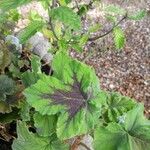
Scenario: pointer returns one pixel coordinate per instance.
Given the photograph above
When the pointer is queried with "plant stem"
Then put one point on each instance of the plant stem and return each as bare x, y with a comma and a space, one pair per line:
100, 36
84, 145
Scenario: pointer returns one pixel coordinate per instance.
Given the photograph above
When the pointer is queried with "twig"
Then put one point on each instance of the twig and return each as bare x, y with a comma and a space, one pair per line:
84, 145
100, 36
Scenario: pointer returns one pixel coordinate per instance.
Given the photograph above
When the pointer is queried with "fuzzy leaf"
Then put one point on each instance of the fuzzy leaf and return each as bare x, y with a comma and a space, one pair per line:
24, 111
36, 64
134, 134
7, 86
45, 124
67, 16
72, 93
117, 105
119, 38
30, 30
27, 140
29, 78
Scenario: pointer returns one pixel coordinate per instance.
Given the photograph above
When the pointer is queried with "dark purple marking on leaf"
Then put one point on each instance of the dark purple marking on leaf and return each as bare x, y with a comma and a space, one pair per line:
75, 99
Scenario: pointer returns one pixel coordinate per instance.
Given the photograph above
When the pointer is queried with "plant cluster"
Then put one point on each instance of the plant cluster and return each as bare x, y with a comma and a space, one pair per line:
55, 109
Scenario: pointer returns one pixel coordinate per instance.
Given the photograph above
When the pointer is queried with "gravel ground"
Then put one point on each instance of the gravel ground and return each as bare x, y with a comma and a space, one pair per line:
126, 71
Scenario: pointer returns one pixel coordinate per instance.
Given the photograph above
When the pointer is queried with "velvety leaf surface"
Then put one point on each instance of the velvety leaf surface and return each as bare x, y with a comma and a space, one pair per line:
117, 105
133, 134
24, 111
29, 78
6, 85
45, 124
27, 140
74, 95
36, 64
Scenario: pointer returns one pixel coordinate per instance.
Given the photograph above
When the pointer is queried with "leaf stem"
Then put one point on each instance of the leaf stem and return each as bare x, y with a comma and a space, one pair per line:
100, 36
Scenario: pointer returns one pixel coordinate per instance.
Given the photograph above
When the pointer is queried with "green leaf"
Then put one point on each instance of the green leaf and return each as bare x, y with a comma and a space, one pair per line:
117, 105
14, 15
138, 15
84, 39
45, 3
94, 28
64, 2
77, 47
34, 15
73, 93
36, 64
134, 134
27, 140
45, 124
29, 78
67, 16
6, 5
62, 44
14, 70
24, 111
119, 38
30, 30
7, 86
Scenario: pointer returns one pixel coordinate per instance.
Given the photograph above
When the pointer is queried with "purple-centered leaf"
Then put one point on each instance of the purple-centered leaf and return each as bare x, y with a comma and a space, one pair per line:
75, 99
72, 93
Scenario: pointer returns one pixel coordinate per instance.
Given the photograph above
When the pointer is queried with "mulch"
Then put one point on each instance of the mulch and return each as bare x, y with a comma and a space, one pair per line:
128, 70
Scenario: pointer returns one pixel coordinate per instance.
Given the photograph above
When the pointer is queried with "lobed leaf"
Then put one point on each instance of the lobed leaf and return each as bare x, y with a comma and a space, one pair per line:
7, 86
116, 105
73, 94
45, 124
24, 111
27, 140
133, 134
